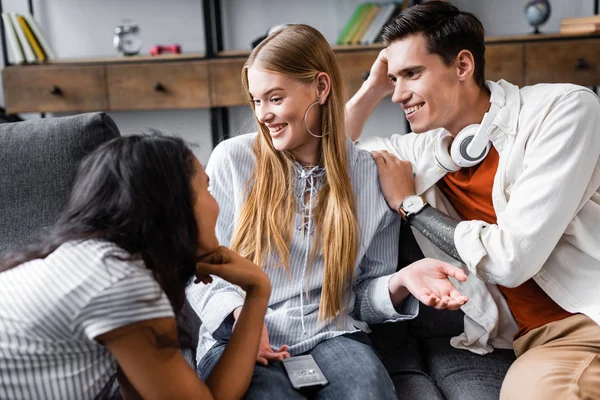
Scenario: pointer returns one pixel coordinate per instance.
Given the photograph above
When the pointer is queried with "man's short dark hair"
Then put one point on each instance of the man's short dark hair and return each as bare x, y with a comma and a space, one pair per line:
446, 29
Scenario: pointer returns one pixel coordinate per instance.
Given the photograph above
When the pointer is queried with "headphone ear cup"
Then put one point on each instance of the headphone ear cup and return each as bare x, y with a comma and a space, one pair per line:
458, 150
442, 154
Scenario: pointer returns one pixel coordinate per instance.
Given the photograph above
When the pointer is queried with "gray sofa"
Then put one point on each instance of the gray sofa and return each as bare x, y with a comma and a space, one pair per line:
38, 163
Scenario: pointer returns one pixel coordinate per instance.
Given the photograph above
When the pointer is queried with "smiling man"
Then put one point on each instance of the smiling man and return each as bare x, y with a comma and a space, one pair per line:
506, 182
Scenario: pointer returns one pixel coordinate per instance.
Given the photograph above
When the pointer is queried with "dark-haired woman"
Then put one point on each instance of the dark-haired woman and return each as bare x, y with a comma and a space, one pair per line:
103, 288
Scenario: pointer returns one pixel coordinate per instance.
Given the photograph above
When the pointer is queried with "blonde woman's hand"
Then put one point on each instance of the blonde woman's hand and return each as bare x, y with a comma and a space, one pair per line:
395, 177
427, 280
234, 268
265, 352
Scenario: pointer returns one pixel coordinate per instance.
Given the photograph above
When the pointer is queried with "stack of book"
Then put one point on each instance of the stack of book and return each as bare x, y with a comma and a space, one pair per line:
25, 40
580, 25
367, 21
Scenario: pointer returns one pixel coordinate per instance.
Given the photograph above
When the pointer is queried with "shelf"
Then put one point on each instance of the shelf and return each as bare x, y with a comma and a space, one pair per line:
190, 80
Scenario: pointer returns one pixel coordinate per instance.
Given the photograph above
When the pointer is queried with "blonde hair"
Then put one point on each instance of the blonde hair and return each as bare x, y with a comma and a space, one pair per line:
266, 221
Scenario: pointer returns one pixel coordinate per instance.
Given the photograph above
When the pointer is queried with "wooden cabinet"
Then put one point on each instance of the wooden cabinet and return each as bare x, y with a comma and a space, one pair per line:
573, 61
162, 85
505, 61
54, 88
226, 83
189, 81
355, 67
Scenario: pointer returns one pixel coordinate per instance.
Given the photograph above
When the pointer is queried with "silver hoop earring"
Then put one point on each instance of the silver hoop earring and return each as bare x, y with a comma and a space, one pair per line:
306, 125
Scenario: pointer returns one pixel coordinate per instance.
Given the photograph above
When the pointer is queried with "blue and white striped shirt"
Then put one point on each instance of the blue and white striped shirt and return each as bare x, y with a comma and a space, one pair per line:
292, 318
52, 309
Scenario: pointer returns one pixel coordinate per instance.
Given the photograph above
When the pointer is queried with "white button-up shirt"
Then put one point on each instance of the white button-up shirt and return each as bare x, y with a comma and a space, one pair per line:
547, 202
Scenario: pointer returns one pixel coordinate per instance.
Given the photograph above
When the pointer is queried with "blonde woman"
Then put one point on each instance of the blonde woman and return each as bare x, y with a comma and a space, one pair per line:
298, 199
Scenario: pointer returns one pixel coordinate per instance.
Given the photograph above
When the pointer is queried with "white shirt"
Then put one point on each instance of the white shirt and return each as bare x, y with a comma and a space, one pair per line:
52, 309
547, 202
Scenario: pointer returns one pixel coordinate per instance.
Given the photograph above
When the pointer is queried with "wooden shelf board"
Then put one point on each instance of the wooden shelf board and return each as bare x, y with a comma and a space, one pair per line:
124, 59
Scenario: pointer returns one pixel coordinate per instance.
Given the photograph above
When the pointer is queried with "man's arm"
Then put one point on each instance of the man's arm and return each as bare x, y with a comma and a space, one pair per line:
397, 182
438, 228
374, 89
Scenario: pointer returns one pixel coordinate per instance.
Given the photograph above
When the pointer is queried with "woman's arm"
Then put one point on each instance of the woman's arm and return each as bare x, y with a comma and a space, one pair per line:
149, 357
154, 368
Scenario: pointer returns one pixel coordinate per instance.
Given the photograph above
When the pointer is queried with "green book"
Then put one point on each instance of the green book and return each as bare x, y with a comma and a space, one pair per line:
350, 28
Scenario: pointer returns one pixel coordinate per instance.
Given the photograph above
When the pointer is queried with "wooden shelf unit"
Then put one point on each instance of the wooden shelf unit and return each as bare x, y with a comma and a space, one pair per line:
190, 81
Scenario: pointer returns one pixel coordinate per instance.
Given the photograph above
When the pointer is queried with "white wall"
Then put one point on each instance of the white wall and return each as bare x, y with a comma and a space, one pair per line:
84, 28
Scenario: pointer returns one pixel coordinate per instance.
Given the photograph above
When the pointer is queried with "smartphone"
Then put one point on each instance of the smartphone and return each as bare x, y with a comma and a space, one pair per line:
303, 371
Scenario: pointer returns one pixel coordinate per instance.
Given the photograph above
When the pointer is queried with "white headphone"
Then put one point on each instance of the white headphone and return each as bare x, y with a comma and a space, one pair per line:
471, 144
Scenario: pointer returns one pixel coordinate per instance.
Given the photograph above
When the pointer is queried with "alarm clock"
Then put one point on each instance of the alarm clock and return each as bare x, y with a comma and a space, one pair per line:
127, 40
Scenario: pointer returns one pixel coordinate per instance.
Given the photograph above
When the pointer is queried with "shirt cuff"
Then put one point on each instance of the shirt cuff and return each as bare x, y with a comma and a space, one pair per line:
219, 307
382, 306
468, 244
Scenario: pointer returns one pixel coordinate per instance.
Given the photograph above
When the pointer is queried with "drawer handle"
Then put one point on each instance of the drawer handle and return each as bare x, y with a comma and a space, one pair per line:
159, 87
56, 91
581, 64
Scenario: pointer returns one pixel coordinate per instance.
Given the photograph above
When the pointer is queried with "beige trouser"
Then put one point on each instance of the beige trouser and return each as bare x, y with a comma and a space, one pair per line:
560, 360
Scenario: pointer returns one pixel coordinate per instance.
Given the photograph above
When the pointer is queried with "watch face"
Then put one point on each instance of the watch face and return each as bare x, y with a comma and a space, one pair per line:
412, 204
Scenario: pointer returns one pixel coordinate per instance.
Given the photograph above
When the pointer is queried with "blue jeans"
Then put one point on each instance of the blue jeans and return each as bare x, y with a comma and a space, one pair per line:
418, 355
350, 364
423, 365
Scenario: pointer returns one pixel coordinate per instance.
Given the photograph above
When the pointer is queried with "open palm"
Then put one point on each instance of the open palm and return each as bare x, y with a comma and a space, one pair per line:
427, 280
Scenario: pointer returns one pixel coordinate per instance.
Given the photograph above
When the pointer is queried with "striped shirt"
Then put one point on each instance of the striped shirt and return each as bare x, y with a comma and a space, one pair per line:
292, 316
52, 309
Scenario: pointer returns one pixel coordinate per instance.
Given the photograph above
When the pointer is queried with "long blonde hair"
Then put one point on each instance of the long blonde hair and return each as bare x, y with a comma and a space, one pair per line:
267, 218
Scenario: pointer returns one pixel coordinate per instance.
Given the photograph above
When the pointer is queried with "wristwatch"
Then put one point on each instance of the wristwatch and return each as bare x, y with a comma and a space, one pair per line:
411, 205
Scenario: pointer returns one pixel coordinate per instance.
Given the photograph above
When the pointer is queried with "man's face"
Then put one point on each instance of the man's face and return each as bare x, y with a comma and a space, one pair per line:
427, 89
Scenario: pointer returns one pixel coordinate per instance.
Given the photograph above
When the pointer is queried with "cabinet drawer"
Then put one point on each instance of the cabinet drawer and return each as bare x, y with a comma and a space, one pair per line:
569, 61
226, 89
54, 88
505, 61
355, 68
168, 85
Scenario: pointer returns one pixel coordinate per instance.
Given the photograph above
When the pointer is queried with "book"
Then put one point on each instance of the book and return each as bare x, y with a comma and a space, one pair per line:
33, 42
580, 28
40, 37
364, 22
344, 33
354, 23
27, 50
385, 14
593, 19
398, 8
13, 42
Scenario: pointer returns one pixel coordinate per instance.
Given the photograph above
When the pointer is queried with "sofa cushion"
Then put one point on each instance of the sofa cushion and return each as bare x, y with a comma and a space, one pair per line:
38, 163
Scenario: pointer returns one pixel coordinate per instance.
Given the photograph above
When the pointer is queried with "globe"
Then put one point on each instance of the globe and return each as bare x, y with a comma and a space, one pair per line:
537, 13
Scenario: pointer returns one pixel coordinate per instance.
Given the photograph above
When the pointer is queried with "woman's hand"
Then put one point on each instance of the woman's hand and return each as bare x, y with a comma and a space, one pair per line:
427, 280
395, 177
234, 268
265, 352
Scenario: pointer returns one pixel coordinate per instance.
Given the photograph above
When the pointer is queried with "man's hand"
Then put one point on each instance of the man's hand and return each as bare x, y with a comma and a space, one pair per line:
427, 280
378, 79
395, 177
265, 352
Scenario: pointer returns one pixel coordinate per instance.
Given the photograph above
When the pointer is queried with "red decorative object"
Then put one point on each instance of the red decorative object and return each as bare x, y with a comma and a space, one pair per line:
159, 49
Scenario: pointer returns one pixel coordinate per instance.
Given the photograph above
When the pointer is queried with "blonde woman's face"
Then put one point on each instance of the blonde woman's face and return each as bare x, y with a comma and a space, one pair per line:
280, 104
206, 211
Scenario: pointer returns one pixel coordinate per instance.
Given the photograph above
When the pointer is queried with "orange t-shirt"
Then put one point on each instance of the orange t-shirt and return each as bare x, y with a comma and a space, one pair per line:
470, 192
